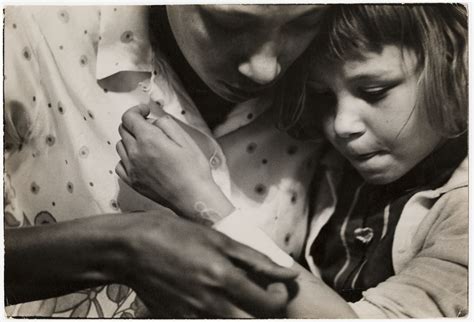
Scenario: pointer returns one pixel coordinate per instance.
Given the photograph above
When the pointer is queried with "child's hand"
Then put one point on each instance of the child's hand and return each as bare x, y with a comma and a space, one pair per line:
161, 161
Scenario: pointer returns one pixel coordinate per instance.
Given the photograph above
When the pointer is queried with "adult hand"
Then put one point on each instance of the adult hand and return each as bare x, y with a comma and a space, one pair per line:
192, 270
161, 161
170, 262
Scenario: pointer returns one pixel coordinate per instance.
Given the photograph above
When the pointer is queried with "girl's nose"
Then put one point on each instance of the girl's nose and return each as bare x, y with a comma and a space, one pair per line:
262, 67
348, 122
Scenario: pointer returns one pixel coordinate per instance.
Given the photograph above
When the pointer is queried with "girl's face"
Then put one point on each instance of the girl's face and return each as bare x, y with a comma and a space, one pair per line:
369, 113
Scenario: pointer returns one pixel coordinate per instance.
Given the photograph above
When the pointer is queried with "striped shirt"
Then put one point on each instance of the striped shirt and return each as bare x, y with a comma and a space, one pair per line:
353, 250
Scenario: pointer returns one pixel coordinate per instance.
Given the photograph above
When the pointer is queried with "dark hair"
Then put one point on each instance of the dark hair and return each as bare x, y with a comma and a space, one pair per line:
437, 33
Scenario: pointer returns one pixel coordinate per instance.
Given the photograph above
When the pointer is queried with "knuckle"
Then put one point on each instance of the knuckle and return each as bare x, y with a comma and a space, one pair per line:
163, 118
264, 262
125, 117
276, 303
220, 240
218, 272
162, 122
206, 302
145, 138
135, 155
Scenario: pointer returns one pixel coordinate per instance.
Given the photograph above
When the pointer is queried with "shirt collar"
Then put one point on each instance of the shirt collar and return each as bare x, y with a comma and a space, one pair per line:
123, 44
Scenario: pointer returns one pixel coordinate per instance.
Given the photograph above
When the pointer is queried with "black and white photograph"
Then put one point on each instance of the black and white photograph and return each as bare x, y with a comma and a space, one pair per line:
235, 161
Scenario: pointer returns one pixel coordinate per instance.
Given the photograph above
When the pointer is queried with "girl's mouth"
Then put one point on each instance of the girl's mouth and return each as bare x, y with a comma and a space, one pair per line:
366, 156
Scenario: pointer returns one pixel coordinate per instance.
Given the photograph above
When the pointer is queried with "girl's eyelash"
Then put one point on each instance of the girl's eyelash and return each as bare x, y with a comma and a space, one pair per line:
374, 89
376, 93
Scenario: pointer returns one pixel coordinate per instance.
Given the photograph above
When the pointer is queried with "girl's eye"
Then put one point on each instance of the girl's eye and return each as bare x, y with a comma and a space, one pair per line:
376, 93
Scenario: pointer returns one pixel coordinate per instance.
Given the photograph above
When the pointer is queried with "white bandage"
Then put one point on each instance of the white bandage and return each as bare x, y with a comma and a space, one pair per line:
237, 227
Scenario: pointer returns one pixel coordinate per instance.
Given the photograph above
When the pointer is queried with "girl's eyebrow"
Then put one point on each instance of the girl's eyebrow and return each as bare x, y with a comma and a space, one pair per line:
376, 76
380, 73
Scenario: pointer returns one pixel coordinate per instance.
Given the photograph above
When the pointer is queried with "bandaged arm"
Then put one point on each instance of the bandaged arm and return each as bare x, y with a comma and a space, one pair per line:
313, 299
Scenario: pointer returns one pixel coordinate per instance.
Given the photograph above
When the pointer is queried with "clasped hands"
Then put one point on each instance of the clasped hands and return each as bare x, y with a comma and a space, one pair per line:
208, 273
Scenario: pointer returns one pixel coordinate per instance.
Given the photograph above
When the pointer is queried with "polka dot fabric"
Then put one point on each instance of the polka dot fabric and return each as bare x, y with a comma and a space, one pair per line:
70, 74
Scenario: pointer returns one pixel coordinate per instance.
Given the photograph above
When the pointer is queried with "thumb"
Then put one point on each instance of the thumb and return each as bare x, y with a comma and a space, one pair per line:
134, 117
143, 109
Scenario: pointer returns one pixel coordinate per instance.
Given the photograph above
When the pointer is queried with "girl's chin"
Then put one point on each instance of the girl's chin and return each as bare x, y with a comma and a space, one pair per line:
379, 169
379, 178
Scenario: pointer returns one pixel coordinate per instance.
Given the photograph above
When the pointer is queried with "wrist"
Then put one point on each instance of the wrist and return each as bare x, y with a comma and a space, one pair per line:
208, 204
119, 243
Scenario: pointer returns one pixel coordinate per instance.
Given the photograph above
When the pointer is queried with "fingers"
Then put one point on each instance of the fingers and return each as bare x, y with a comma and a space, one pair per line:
254, 299
172, 129
134, 120
122, 152
122, 173
122, 168
278, 289
170, 302
212, 305
127, 137
230, 311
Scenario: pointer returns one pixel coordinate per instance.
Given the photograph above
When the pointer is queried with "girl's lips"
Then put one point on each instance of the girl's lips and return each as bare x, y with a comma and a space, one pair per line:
365, 156
361, 157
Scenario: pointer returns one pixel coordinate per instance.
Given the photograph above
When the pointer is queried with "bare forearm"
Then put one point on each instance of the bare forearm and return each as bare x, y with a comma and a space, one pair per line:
208, 205
314, 299
56, 259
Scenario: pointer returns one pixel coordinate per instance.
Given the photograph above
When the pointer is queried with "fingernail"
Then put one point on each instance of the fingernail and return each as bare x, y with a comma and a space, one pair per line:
276, 288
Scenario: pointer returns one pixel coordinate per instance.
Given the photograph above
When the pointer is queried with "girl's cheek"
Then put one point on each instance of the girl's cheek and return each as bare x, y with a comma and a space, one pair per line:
328, 128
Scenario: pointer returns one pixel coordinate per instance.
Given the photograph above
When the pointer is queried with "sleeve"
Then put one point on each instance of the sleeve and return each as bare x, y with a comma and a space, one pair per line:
23, 97
237, 227
435, 282
23, 94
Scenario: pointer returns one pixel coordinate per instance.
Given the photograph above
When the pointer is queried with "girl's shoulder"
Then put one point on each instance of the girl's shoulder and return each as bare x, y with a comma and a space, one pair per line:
459, 178
453, 204
449, 200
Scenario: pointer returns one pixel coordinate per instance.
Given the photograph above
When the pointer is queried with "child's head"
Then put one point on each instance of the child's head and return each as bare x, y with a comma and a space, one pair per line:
389, 83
